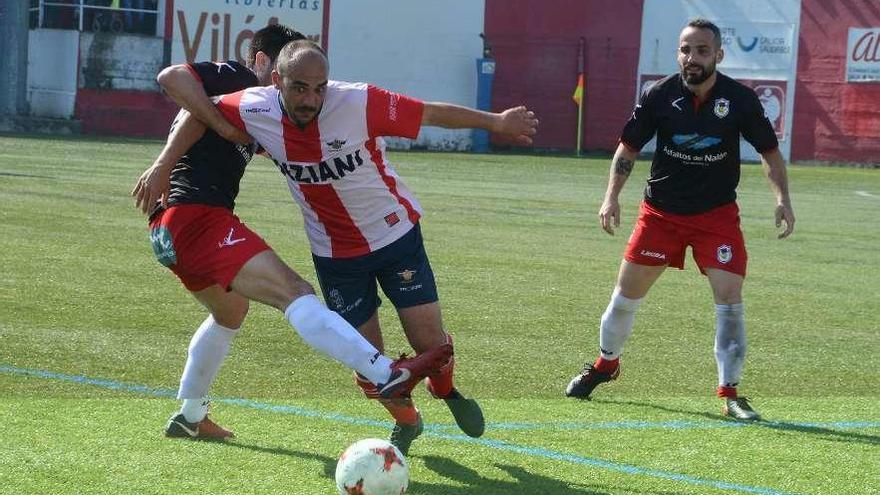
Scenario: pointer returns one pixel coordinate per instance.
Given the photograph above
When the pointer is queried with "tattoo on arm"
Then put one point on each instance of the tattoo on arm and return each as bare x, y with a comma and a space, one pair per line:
623, 166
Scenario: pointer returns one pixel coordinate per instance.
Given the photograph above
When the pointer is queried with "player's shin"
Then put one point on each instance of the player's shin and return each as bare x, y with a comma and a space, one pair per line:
207, 350
615, 328
329, 333
730, 344
441, 384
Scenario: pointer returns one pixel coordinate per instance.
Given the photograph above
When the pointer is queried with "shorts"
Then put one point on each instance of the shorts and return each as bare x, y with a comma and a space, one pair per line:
401, 268
715, 238
203, 245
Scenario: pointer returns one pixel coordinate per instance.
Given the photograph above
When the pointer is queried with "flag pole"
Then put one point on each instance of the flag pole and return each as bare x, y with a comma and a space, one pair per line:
581, 88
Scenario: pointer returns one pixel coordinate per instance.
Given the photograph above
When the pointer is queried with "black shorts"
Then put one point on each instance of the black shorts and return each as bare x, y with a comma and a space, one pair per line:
401, 268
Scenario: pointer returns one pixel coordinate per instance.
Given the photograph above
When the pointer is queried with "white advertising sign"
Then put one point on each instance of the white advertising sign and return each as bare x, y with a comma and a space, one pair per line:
863, 55
222, 29
757, 45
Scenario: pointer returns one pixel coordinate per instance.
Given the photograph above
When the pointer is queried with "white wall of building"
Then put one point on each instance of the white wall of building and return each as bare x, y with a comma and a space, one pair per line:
422, 48
53, 55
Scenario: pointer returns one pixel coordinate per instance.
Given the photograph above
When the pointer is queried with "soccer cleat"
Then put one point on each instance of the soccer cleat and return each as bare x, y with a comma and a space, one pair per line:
402, 435
467, 414
740, 409
407, 372
581, 386
179, 427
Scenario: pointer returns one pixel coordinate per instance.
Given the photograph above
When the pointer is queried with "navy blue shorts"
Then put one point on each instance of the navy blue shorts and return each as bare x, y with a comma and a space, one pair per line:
401, 268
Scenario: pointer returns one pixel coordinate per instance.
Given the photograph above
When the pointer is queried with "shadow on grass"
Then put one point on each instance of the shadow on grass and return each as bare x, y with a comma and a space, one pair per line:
826, 433
467, 481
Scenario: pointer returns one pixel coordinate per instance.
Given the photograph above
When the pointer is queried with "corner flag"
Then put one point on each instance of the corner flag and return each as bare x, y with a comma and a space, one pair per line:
578, 96
579, 90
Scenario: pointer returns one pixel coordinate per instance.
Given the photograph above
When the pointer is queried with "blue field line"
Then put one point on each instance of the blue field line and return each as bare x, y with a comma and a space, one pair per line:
660, 425
494, 444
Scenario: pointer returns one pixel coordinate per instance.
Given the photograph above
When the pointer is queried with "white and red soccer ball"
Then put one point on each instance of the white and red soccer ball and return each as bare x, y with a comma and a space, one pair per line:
372, 467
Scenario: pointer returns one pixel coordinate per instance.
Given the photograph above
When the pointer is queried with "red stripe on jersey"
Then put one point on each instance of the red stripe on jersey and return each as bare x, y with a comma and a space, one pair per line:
379, 161
392, 114
301, 145
346, 240
230, 106
194, 73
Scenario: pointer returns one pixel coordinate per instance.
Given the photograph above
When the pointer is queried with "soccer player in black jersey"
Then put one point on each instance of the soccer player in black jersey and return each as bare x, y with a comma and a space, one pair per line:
189, 194
698, 117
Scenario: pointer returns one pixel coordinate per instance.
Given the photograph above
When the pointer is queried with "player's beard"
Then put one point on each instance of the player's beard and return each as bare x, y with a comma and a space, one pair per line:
696, 78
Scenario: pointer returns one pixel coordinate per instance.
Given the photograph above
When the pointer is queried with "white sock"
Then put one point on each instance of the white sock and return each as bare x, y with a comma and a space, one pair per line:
617, 324
207, 350
194, 410
329, 333
730, 343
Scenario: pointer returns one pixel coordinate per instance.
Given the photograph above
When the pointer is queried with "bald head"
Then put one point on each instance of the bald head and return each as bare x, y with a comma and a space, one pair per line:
301, 76
301, 54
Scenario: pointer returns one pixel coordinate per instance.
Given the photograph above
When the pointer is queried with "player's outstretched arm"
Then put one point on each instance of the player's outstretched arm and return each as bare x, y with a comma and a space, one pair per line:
518, 123
621, 167
180, 84
154, 183
774, 169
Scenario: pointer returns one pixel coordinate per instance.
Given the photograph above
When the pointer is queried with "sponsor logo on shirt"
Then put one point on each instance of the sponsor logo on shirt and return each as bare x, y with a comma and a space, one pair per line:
257, 110
336, 144
392, 107
324, 171
694, 141
392, 219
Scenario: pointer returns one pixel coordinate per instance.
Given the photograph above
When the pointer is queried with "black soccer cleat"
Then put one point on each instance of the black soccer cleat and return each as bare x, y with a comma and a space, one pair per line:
467, 413
402, 435
581, 386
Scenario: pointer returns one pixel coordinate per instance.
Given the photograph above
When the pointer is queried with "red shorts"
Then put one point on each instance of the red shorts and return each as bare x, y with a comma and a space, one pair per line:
203, 245
660, 238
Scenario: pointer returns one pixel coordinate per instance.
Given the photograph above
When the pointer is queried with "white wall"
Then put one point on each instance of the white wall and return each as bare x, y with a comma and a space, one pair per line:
51, 75
422, 48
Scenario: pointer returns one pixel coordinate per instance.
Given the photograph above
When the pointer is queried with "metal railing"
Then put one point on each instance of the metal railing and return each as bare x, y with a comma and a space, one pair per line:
117, 16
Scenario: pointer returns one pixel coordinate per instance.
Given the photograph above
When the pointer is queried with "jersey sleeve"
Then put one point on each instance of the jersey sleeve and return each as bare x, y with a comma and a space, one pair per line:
642, 125
230, 107
220, 78
756, 128
393, 114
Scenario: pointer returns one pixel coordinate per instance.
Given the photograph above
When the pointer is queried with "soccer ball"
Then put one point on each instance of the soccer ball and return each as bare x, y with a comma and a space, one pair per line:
372, 467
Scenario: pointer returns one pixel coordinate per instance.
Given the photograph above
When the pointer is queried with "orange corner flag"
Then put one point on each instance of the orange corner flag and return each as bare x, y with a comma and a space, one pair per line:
579, 90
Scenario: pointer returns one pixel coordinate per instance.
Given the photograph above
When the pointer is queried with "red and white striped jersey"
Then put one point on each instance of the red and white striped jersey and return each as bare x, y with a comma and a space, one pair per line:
352, 199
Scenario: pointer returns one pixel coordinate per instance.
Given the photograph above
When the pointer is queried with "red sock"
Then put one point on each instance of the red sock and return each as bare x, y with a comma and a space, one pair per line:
726, 392
403, 410
603, 365
440, 385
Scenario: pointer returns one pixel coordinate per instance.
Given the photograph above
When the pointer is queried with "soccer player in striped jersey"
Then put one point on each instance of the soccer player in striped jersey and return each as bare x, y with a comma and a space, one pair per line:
190, 201
325, 138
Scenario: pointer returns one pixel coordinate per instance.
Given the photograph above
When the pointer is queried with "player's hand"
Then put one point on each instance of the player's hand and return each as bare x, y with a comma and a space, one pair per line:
785, 214
519, 123
609, 215
153, 185
231, 133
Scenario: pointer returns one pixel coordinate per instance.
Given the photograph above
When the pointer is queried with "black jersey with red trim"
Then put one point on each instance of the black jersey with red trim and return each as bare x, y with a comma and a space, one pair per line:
696, 166
211, 170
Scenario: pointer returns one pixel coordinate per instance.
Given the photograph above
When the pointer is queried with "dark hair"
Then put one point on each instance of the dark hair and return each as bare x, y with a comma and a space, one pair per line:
701, 23
270, 40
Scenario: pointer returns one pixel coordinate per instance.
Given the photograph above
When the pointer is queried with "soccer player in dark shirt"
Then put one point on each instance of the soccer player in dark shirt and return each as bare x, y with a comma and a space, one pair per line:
690, 200
189, 194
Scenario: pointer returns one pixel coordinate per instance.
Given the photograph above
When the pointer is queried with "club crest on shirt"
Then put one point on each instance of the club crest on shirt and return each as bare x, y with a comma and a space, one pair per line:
722, 107
336, 144
392, 219
724, 253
